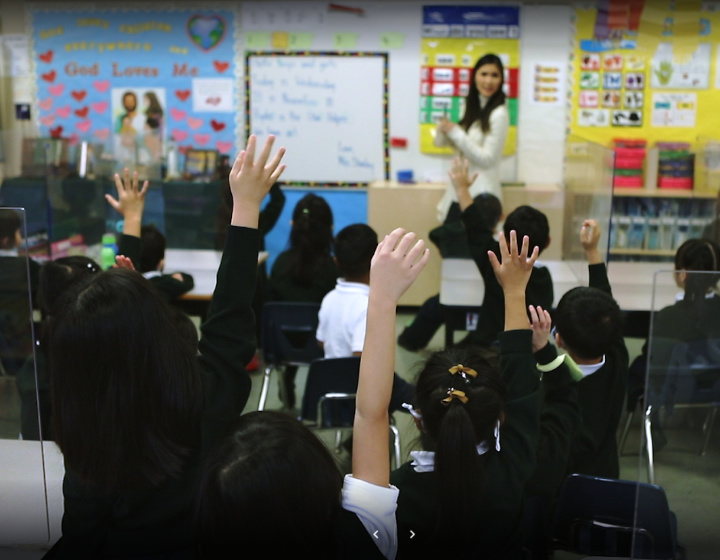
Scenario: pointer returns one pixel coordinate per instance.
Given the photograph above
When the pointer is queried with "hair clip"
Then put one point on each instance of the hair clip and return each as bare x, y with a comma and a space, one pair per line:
415, 414
454, 394
463, 371
306, 210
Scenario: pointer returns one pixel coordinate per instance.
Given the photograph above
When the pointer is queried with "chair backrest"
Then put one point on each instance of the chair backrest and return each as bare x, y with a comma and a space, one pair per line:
288, 332
602, 516
327, 376
692, 373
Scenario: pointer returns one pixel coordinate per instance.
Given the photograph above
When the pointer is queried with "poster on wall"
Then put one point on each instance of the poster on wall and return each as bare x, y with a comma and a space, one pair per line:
130, 82
644, 91
453, 39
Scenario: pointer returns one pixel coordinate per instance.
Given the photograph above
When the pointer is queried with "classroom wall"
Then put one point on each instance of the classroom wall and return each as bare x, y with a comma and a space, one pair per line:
544, 36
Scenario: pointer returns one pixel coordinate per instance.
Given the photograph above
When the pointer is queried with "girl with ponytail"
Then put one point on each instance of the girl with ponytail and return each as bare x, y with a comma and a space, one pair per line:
461, 497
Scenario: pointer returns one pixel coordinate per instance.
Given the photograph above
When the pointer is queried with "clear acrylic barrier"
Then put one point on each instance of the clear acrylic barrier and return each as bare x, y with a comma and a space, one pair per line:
588, 192
23, 491
679, 449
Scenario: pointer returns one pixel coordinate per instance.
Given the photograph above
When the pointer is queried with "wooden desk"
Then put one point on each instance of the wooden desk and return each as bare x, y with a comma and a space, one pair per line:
462, 287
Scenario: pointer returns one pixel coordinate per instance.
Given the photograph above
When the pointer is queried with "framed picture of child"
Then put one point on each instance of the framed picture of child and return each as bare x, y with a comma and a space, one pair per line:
139, 131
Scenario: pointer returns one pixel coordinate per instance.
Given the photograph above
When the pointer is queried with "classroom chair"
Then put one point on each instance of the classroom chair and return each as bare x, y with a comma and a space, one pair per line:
329, 399
287, 339
681, 375
615, 518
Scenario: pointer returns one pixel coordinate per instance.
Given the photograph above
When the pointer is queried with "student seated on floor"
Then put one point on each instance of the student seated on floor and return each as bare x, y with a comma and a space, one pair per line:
451, 239
343, 312
273, 490
525, 220
588, 325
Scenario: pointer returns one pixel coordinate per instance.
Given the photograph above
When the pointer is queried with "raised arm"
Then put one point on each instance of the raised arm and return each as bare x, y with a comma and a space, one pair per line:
490, 151
461, 180
130, 204
270, 214
397, 262
589, 239
228, 336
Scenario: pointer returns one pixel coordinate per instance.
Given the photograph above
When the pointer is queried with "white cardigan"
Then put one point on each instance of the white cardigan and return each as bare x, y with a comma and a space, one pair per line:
483, 152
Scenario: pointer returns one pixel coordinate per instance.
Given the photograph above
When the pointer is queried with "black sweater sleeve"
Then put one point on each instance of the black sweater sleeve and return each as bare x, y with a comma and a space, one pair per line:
130, 248
228, 338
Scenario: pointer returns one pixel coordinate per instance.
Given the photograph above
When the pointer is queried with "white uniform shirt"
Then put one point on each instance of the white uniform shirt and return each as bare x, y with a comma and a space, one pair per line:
342, 319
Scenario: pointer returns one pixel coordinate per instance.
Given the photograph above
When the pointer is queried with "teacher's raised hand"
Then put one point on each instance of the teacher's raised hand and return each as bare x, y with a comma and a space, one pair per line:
444, 125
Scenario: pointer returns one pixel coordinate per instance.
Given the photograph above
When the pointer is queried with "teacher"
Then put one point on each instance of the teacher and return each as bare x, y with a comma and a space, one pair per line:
480, 135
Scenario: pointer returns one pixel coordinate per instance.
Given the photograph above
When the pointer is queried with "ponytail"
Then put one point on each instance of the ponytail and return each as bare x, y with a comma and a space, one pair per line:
460, 413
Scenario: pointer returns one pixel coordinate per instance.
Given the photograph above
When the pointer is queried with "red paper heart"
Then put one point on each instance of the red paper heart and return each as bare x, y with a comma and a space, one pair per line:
82, 113
49, 76
216, 125
46, 56
182, 94
56, 132
221, 66
79, 95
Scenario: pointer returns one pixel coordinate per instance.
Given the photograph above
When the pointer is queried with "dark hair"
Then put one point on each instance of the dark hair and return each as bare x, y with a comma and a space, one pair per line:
272, 474
454, 430
698, 255
588, 320
154, 111
526, 220
310, 238
125, 95
58, 276
354, 249
126, 389
152, 248
9, 225
490, 208
473, 111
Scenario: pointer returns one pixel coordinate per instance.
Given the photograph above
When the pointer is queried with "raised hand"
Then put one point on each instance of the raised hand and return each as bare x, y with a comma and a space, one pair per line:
398, 260
122, 261
540, 323
589, 239
130, 202
514, 271
460, 175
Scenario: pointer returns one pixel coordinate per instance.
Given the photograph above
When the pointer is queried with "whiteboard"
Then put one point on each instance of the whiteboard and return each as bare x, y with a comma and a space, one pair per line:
329, 110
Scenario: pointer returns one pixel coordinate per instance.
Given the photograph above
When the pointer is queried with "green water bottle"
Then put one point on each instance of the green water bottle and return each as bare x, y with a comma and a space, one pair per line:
108, 251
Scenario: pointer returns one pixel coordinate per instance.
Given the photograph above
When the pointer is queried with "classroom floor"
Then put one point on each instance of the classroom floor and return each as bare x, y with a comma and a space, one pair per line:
692, 482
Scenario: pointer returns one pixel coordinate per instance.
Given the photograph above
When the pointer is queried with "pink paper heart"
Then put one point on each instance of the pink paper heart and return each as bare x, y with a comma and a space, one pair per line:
83, 126
177, 114
73, 139
100, 106
179, 135
46, 104
56, 90
101, 85
102, 133
47, 120
194, 123
63, 112
202, 139
223, 147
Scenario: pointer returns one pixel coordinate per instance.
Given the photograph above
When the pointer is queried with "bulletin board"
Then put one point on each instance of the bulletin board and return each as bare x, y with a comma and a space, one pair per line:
453, 39
140, 84
650, 82
329, 109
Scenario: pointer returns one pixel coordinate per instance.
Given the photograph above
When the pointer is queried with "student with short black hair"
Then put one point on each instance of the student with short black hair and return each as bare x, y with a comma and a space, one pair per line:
136, 410
524, 220
588, 325
148, 255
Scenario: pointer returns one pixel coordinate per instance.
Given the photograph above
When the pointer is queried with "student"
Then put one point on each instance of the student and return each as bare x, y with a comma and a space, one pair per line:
588, 325
525, 220
462, 496
307, 270
135, 408
272, 490
451, 240
694, 316
55, 279
343, 312
16, 289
